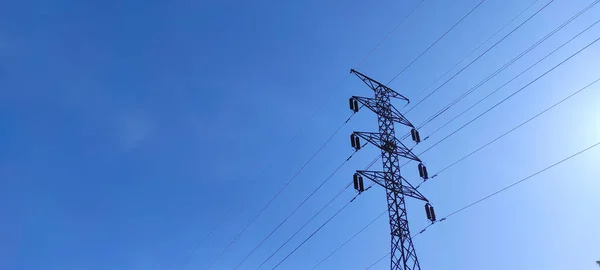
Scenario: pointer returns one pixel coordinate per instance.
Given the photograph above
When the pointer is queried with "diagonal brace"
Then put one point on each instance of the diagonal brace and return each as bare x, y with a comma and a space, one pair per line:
395, 114
395, 146
375, 85
405, 188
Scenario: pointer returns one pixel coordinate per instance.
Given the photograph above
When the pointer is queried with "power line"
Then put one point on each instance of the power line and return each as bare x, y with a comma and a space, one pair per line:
277, 194
305, 224
468, 55
511, 95
350, 239
313, 217
379, 260
521, 181
511, 80
243, 198
512, 61
505, 99
502, 190
514, 184
295, 210
389, 34
315, 232
481, 55
478, 47
515, 128
438, 40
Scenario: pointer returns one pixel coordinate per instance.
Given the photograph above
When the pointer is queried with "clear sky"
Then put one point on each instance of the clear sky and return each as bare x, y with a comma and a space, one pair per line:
128, 128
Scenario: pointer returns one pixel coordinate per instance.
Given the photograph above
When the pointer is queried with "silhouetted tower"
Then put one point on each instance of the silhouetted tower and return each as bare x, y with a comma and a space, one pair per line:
403, 255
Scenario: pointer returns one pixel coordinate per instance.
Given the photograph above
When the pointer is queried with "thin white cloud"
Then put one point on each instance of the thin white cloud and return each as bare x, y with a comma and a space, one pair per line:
133, 129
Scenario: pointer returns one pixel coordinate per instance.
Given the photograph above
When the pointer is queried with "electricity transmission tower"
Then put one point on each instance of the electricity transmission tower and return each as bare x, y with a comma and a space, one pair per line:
403, 254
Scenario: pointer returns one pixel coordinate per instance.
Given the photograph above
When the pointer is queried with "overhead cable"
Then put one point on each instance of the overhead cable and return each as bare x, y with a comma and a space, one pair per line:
481, 55
511, 95
477, 48
314, 216
295, 210
316, 231
435, 42
512, 61
276, 195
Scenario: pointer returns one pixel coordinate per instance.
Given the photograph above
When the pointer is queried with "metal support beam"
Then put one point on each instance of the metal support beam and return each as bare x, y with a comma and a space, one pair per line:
396, 116
392, 145
377, 86
407, 188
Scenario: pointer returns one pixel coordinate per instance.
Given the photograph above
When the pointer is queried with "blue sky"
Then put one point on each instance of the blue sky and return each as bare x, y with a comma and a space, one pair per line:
128, 128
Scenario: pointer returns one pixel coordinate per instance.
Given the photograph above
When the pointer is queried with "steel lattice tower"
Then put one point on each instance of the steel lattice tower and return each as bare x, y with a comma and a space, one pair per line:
403, 254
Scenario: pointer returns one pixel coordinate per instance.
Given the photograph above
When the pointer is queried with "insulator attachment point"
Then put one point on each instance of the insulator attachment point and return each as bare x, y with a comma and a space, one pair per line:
430, 212
355, 141
359, 184
354, 105
416, 137
423, 171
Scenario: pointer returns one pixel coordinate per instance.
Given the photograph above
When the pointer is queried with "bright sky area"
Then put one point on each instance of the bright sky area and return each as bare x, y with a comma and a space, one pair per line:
128, 130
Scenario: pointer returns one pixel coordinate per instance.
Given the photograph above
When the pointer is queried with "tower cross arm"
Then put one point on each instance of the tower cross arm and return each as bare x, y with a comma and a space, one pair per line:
375, 85
395, 146
394, 114
405, 188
